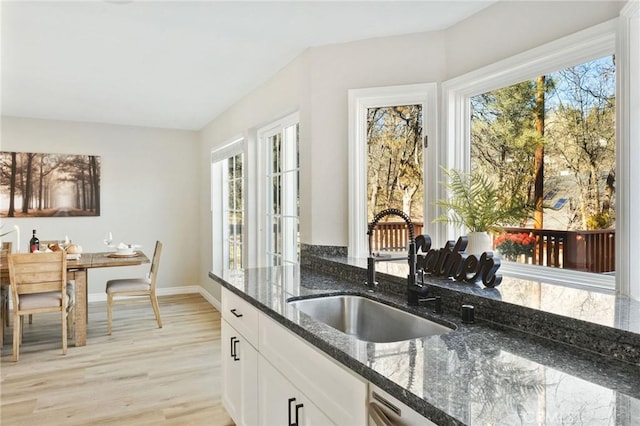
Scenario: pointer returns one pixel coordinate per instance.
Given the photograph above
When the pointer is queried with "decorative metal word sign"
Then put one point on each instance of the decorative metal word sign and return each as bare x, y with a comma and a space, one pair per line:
451, 261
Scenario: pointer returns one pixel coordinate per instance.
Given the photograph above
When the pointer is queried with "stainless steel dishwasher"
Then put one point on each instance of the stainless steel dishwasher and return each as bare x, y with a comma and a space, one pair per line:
384, 410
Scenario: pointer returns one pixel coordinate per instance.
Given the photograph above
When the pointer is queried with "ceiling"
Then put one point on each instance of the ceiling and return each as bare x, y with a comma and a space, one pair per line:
177, 64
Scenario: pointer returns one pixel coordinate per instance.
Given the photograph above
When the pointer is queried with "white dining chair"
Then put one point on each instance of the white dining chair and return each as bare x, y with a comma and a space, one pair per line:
135, 287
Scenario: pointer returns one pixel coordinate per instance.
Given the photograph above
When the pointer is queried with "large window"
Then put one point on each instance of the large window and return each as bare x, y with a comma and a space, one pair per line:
227, 203
585, 126
587, 177
280, 162
388, 130
550, 140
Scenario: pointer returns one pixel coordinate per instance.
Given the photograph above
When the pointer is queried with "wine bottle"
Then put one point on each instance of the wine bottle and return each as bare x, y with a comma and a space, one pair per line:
34, 243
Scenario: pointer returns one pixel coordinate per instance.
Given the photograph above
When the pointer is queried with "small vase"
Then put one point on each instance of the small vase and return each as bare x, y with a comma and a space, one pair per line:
479, 242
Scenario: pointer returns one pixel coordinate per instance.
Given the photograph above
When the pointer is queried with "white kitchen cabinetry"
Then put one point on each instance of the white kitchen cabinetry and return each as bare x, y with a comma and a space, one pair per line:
240, 360
340, 394
241, 315
282, 403
271, 376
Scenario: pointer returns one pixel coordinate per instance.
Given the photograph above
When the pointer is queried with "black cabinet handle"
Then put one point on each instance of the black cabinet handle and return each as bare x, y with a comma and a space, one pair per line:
298, 407
234, 349
233, 311
289, 412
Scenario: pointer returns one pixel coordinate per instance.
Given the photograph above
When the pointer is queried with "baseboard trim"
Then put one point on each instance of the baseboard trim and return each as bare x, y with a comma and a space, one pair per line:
209, 298
169, 291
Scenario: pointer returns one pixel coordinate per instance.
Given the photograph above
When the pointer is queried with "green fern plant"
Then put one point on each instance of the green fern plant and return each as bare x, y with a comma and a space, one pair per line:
476, 204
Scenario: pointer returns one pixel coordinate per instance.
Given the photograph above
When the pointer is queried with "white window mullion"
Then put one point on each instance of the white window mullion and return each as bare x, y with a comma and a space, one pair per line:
217, 260
289, 196
628, 129
224, 225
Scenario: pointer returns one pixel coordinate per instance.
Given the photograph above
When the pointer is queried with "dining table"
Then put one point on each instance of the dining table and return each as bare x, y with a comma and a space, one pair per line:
77, 270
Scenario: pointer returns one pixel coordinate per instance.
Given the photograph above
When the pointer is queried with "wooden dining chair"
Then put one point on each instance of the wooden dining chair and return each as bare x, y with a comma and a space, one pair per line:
5, 288
38, 285
136, 287
71, 293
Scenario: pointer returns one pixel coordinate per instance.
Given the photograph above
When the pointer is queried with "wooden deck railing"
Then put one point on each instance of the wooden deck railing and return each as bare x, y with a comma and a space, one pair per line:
393, 236
589, 251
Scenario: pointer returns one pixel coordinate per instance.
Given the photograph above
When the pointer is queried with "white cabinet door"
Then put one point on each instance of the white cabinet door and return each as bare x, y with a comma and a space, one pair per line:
340, 394
239, 376
281, 403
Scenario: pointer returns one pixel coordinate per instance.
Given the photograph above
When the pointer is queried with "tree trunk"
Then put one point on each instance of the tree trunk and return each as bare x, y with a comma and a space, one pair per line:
83, 190
538, 165
608, 192
12, 187
96, 184
595, 189
26, 196
584, 209
407, 197
90, 179
41, 182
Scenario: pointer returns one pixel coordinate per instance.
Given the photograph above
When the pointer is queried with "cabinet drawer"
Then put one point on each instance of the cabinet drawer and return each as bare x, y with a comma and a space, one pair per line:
239, 377
337, 392
241, 316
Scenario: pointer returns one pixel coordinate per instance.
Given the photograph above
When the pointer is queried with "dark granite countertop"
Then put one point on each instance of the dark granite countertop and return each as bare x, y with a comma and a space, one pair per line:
477, 374
590, 304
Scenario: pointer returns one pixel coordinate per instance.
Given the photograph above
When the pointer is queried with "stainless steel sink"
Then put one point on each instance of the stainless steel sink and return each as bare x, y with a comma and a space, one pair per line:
367, 319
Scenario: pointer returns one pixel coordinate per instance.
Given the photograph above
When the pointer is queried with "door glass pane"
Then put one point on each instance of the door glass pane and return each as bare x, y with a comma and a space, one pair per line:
275, 153
233, 212
283, 196
238, 167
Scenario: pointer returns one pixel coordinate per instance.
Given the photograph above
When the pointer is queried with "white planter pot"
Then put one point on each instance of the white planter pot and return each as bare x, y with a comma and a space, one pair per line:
479, 242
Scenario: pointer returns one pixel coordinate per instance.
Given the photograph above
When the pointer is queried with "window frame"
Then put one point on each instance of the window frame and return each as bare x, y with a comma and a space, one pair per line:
279, 126
230, 238
219, 197
588, 44
359, 102
628, 129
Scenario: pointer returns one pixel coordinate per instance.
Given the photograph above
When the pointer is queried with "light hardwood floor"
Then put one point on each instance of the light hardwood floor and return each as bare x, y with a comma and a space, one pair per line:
140, 375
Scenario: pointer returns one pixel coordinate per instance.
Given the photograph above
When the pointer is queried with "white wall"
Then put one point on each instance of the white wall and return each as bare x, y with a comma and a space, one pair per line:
407, 59
285, 93
511, 27
156, 183
316, 83
149, 191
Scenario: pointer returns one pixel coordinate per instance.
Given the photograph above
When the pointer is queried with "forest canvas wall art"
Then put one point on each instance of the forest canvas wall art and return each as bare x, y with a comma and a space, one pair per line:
46, 185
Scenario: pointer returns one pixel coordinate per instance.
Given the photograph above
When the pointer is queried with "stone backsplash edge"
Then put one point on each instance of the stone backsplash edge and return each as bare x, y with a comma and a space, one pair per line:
612, 343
